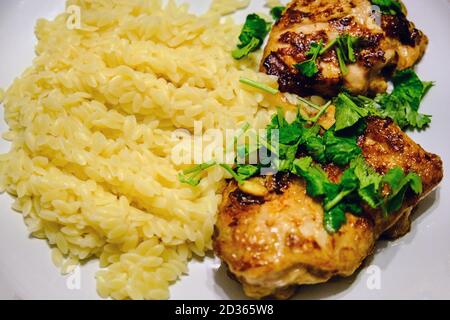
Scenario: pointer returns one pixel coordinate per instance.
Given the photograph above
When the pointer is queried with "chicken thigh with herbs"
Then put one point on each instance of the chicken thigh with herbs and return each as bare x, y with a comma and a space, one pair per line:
322, 46
275, 241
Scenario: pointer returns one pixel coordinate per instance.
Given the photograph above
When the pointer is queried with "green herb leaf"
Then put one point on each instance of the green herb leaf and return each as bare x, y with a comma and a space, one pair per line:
391, 7
427, 85
341, 60
316, 148
345, 51
349, 183
253, 45
302, 165
348, 43
340, 150
287, 154
316, 179
348, 113
252, 36
246, 171
277, 12
402, 105
290, 134
309, 67
191, 176
399, 183
369, 181
334, 219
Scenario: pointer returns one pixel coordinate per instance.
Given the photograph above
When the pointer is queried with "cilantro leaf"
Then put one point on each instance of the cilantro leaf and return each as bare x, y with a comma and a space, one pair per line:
287, 154
391, 7
402, 105
349, 183
309, 67
348, 113
399, 183
340, 150
253, 45
345, 51
334, 219
246, 171
252, 36
277, 12
316, 148
278, 121
290, 133
341, 60
369, 181
316, 179
427, 85
302, 165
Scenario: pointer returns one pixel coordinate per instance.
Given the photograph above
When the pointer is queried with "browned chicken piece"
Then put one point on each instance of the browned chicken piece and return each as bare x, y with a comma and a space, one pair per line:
273, 242
386, 44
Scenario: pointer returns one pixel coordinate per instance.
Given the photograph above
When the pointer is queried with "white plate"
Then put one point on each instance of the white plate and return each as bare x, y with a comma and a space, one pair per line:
416, 266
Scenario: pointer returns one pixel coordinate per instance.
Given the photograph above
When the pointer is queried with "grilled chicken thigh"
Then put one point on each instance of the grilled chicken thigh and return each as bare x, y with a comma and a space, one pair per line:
275, 242
386, 43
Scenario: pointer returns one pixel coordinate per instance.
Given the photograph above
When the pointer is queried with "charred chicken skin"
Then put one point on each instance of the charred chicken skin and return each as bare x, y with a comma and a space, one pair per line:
275, 242
386, 43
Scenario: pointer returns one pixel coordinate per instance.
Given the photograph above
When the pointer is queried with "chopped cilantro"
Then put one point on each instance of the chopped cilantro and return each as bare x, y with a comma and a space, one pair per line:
348, 113
277, 12
340, 150
191, 176
391, 7
252, 36
309, 67
399, 183
402, 105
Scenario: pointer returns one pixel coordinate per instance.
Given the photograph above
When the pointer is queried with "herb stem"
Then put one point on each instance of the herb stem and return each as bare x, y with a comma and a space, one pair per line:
239, 134
200, 167
233, 174
341, 60
328, 46
330, 205
321, 112
259, 85
309, 103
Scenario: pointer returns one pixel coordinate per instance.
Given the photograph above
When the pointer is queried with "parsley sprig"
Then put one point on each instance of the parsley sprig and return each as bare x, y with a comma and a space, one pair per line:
252, 36
309, 67
277, 12
344, 46
192, 176
401, 105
